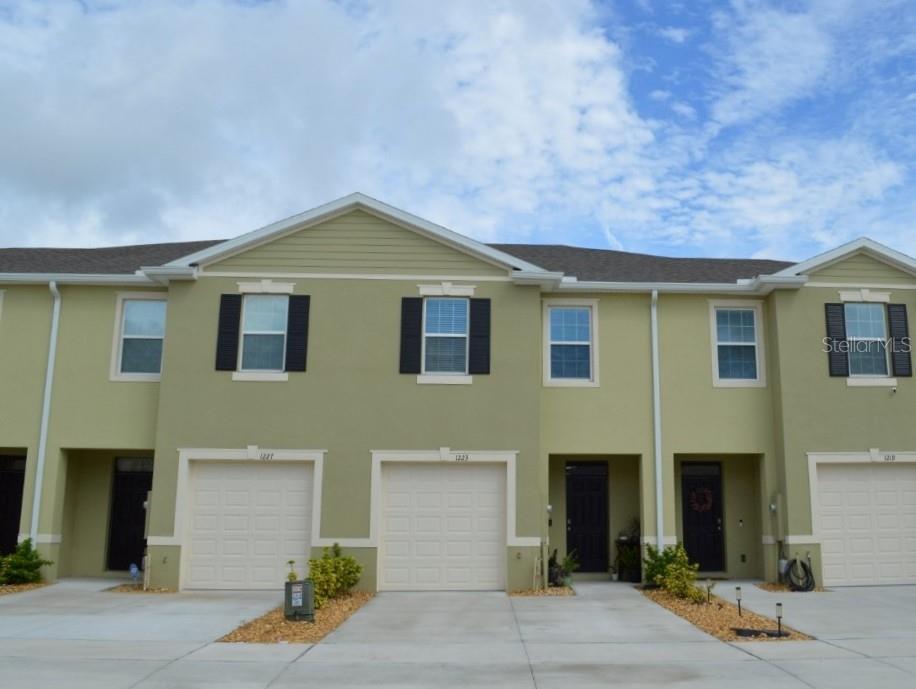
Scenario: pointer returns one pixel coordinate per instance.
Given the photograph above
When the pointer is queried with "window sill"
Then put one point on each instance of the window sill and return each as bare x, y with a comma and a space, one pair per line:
569, 383
433, 379
738, 383
135, 378
870, 382
261, 376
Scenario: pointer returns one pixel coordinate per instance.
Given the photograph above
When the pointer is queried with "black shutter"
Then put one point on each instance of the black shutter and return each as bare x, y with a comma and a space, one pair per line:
411, 334
297, 332
837, 356
479, 344
901, 363
227, 332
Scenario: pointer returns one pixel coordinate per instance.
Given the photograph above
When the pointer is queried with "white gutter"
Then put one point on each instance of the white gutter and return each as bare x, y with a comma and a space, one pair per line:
758, 286
74, 279
45, 412
657, 427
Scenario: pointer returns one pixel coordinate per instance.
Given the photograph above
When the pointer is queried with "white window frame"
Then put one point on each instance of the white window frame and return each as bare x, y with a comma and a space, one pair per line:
117, 342
549, 380
445, 377
869, 379
259, 374
730, 305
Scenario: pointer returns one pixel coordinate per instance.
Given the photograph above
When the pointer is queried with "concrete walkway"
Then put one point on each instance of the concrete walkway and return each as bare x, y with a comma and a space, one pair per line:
609, 635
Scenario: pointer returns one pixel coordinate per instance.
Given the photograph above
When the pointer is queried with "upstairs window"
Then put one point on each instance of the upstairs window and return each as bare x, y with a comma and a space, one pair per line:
866, 333
570, 356
263, 338
142, 332
445, 336
737, 345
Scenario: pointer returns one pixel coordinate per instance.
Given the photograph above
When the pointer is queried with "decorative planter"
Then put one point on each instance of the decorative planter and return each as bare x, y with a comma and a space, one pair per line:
299, 601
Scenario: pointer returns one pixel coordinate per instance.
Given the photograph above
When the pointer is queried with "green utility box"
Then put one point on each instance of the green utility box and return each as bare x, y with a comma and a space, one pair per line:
299, 601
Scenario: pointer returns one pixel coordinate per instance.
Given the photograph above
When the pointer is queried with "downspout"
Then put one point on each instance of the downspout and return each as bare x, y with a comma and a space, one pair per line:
657, 428
45, 412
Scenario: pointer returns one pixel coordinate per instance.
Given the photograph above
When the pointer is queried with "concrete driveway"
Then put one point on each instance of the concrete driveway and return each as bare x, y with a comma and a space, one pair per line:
609, 635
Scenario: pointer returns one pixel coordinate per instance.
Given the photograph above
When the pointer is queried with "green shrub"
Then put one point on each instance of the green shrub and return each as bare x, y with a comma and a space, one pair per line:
657, 562
333, 575
23, 565
680, 577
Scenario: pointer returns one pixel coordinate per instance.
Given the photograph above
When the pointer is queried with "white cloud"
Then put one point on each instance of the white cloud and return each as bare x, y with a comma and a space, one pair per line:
675, 34
684, 109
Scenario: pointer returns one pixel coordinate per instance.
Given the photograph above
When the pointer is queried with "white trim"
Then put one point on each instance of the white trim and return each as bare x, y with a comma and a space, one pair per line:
446, 289
849, 285
759, 286
114, 371
870, 382
1, 303
344, 205
548, 380
652, 540
445, 454
803, 538
266, 286
873, 455
864, 245
397, 277
768, 539
757, 308
260, 376
657, 420
443, 379
865, 295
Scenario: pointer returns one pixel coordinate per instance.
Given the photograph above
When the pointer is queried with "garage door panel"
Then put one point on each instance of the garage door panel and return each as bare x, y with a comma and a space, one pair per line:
443, 527
247, 520
867, 523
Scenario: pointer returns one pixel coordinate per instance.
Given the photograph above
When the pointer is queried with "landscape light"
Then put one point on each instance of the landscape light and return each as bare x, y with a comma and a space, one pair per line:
779, 619
738, 597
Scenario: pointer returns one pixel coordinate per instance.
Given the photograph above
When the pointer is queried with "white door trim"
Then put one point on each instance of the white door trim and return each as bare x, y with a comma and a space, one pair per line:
445, 454
871, 455
248, 454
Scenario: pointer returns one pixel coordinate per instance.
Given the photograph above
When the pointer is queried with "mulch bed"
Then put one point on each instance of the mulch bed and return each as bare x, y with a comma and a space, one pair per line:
774, 587
552, 591
137, 588
719, 617
275, 628
6, 589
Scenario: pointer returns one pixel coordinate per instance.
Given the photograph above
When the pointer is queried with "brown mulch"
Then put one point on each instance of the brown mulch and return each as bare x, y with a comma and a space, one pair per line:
552, 591
275, 628
138, 588
6, 589
774, 587
718, 617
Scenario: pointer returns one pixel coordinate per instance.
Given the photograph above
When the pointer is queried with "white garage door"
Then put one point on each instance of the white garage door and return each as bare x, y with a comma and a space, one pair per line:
443, 527
247, 520
866, 519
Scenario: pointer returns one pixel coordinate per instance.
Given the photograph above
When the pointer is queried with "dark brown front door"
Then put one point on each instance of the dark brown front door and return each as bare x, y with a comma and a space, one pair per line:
586, 514
133, 479
701, 495
12, 478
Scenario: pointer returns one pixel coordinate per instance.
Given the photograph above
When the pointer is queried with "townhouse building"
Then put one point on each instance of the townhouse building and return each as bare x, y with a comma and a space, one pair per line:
449, 411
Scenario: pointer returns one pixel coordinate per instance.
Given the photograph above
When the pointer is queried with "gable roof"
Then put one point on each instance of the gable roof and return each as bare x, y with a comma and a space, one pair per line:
862, 245
344, 205
109, 260
604, 265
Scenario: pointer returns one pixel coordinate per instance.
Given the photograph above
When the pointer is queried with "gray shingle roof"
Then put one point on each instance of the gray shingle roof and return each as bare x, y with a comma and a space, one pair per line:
585, 264
605, 265
109, 260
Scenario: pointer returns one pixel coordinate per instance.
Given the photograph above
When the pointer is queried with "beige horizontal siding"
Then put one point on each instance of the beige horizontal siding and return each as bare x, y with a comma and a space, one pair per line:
864, 269
357, 242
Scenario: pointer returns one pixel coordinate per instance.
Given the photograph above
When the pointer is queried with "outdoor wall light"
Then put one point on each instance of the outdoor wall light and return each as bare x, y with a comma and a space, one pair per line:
738, 597
549, 509
779, 619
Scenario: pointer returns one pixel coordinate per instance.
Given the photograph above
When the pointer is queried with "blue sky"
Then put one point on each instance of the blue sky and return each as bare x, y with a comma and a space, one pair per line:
769, 129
